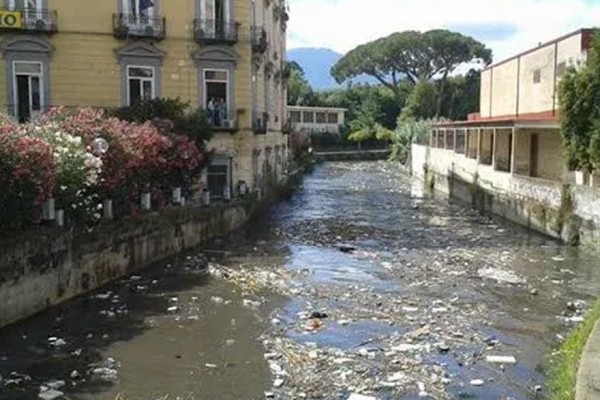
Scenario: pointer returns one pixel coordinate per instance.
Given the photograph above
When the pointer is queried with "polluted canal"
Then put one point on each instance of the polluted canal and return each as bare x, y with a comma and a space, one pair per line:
356, 287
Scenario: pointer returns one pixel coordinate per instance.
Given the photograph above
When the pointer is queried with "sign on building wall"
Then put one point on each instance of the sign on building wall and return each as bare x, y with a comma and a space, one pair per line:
11, 19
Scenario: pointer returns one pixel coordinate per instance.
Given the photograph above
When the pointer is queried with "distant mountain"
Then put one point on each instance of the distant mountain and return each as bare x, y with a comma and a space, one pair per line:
317, 63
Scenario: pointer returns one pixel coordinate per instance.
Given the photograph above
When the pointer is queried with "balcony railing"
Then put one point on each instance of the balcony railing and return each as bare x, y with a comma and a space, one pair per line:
138, 26
210, 31
259, 39
259, 123
223, 123
31, 20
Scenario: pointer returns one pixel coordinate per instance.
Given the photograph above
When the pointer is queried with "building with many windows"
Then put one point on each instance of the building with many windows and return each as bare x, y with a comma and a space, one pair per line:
317, 119
227, 56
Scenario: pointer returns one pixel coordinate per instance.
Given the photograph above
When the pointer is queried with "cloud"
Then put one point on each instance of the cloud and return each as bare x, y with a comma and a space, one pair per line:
506, 26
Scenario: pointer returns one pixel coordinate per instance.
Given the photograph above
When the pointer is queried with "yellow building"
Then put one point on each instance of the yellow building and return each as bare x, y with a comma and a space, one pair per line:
517, 129
227, 56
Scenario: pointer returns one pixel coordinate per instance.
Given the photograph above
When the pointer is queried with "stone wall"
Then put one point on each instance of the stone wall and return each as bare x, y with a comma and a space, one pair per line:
561, 210
44, 267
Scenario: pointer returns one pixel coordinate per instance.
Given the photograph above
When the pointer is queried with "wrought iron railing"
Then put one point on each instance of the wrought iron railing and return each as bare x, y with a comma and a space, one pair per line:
211, 31
259, 122
34, 20
258, 38
223, 121
137, 25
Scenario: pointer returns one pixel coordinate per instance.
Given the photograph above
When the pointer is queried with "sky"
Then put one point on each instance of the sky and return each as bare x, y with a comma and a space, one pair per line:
506, 26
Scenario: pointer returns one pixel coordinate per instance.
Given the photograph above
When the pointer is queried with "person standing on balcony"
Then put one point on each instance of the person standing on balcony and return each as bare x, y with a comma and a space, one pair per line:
222, 109
211, 110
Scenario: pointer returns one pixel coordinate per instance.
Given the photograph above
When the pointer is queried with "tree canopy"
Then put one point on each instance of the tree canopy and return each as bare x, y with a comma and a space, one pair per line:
579, 96
300, 92
412, 55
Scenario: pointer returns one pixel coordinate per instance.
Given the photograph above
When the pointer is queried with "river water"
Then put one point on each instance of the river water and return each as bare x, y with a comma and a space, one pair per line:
423, 291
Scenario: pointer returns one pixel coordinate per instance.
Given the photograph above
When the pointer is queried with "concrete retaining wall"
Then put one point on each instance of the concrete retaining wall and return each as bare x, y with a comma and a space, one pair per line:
561, 210
42, 268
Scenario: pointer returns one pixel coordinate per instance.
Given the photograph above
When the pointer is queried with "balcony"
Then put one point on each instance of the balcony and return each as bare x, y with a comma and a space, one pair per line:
210, 31
258, 38
29, 20
287, 127
227, 123
138, 26
259, 123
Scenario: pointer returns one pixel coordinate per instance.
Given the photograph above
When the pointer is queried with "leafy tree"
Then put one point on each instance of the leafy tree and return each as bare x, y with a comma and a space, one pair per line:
421, 102
417, 56
366, 126
449, 50
579, 96
461, 96
300, 93
410, 131
183, 120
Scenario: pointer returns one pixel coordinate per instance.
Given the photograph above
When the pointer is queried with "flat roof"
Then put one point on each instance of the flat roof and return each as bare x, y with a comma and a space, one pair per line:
581, 31
525, 121
307, 108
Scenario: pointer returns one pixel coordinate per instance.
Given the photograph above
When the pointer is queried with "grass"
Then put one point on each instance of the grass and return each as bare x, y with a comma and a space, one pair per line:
562, 375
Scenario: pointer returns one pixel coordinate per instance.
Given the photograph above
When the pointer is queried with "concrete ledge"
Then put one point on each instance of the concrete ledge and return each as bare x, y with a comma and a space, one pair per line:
47, 266
588, 376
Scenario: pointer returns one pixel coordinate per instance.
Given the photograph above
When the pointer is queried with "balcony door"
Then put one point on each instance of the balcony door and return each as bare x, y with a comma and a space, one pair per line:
32, 10
28, 90
216, 96
139, 13
214, 15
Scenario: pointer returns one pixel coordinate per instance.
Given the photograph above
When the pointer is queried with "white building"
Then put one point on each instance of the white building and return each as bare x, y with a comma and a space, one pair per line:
317, 119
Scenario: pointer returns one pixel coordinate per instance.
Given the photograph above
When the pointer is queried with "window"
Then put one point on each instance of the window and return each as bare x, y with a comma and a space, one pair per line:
295, 116
332, 118
321, 118
217, 182
139, 7
216, 95
537, 75
140, 84
561, 68
308, 116
25, 5
28, 87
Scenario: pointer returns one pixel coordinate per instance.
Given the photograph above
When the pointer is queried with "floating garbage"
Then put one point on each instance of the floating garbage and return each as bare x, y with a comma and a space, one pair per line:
50, 394
501, 359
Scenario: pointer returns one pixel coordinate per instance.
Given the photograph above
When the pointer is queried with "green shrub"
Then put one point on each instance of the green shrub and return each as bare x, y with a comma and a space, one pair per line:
185, 120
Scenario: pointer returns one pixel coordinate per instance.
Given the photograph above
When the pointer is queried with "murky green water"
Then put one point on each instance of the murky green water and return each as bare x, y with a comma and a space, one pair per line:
418, 262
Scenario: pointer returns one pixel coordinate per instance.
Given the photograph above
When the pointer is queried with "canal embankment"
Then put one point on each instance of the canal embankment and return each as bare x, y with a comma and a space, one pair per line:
560, 210
46, 266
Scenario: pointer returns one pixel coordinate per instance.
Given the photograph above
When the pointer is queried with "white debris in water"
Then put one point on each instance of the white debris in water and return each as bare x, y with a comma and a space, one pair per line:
50, 394
500, 275
410, 309
55, 384
106, 374
251, 304
501, 359
559, 258
57, 342
217, 300
344, 322
172, 309
409, 347
477, 382
208, 365
356, 396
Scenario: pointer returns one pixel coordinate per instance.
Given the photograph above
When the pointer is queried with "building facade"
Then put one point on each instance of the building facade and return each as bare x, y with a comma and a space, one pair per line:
317, 119
227, 56
517, 130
